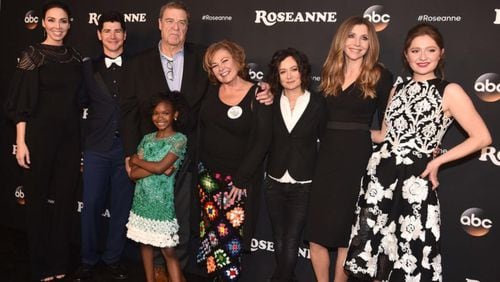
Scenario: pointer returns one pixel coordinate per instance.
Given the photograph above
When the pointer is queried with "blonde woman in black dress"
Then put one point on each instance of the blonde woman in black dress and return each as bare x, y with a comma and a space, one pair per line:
355, 87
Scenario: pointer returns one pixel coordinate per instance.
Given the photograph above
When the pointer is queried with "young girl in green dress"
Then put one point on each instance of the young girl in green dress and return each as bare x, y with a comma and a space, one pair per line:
152, 220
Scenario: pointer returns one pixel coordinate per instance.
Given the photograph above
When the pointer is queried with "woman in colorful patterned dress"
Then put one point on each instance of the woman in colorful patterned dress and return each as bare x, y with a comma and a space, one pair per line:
397, 230
152, 220
234, 133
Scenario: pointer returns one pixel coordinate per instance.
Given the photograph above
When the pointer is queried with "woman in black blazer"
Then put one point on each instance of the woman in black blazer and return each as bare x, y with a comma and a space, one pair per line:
298, 117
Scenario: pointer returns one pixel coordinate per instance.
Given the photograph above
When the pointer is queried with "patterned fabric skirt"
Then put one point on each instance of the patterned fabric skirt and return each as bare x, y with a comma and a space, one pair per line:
396, 233
220, 227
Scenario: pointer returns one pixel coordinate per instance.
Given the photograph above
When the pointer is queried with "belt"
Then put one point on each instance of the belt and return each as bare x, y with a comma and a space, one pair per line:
347, 125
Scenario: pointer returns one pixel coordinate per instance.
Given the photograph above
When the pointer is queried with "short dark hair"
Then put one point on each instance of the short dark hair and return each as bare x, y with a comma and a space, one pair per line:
273, 75
111, 16
174, 5
55, 4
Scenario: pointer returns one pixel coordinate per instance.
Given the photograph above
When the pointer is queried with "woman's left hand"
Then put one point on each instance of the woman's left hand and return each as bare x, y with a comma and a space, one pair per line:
431, 172
236, 194
265, 96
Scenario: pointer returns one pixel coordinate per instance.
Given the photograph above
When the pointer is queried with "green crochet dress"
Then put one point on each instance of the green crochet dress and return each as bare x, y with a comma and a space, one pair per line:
152, 219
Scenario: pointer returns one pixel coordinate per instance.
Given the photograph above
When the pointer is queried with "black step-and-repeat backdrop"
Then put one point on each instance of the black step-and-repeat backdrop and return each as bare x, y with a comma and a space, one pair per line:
469, 191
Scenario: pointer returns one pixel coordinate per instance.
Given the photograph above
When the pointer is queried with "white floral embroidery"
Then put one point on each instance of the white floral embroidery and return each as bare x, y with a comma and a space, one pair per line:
415, 190
436, 265
409, 278
407, 262
377, 225
371, 261
400, 124
389, 242
425, 257
374, 192
415, 120
411, 228
433, 221
414, 89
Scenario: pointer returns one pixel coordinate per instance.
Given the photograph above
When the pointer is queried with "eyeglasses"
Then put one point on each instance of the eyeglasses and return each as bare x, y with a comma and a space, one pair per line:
170, 69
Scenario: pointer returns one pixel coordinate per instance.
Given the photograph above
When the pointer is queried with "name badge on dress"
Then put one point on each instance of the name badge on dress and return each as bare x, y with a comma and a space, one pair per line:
234, 112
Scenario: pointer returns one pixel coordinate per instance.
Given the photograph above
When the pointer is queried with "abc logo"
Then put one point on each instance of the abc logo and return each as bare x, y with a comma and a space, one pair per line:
377, 17
487, 87
254, 73
19, 194
31, 19
474, 222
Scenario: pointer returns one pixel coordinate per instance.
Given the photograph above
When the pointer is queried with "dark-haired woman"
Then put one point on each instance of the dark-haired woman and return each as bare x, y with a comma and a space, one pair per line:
298, 120
43, 103
355, 87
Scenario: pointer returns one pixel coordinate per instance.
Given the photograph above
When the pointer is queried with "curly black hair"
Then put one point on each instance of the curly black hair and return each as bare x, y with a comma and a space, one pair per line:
177, 101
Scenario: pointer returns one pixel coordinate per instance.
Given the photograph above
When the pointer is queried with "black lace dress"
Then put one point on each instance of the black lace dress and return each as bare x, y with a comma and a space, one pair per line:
44, 93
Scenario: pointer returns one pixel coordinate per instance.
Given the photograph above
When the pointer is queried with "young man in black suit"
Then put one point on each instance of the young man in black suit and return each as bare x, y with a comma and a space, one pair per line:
104, 174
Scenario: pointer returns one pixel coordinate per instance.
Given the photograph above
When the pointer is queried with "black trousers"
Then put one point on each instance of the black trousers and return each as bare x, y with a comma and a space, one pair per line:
287, 206
50, 188
184, 203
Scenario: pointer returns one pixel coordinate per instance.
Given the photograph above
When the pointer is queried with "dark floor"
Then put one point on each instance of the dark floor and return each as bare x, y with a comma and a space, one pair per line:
14, 264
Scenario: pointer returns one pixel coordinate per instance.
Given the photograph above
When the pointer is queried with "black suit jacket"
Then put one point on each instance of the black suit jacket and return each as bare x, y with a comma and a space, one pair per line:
145, 79
297, 151
103, 110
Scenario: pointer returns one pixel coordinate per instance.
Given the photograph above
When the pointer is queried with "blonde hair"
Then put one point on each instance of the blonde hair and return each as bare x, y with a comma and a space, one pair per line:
332, 74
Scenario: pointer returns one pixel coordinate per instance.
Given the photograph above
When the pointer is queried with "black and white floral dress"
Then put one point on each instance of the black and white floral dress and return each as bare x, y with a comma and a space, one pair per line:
396, 233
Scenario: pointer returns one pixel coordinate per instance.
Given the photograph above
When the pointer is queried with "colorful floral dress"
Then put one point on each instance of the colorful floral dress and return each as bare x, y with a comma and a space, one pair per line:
221, 225
152, 219
396, 233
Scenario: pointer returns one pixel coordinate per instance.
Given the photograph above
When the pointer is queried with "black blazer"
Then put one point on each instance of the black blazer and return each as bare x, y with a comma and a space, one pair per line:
145, 79
297, 151
98, 129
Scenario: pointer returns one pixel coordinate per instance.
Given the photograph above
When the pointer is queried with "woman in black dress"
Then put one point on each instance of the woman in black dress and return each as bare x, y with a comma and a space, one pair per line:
43, 103
298, 120
234, 137
355, 87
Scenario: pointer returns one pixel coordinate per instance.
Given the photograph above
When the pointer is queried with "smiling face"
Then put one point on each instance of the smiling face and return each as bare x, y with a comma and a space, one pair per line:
423, 56
112, 37
173, 26
357, 43
290, 78
164, 116
223, 66
56, 25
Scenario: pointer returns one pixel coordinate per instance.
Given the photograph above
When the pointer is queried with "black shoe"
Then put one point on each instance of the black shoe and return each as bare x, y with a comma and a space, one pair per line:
84, 272
117, 271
